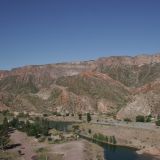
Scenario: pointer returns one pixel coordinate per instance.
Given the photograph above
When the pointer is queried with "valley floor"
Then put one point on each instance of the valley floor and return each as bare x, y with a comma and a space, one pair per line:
144, 138
74, 150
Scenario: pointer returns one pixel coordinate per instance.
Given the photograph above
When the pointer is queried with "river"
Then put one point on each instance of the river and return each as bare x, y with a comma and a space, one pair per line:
123, 153
110, 152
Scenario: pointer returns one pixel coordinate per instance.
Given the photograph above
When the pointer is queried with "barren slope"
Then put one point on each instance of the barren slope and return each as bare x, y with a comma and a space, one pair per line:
114, 84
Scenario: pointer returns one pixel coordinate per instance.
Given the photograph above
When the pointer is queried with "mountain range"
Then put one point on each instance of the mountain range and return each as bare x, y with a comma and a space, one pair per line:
121, 86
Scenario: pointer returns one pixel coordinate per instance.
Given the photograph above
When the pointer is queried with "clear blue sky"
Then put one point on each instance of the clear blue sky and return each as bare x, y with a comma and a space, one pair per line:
49, 31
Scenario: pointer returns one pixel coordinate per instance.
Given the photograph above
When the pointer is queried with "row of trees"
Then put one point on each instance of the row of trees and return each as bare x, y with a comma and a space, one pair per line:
89, 118
140, 118
108, 139
4, 134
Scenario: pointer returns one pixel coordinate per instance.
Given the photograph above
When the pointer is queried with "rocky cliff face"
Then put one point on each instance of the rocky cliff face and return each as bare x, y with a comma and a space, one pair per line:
114, 85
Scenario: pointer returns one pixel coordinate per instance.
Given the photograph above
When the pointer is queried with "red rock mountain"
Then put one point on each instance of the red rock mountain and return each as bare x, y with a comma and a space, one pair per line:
119, 85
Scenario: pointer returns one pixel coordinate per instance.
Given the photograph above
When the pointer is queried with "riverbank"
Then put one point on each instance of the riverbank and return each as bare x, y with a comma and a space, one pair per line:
147, 141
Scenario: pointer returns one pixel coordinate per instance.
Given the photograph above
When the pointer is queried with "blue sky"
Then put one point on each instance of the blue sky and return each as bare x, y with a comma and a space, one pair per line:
50, 31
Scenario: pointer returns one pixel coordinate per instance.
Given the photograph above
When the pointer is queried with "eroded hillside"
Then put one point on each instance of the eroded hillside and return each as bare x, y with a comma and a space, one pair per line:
112, 85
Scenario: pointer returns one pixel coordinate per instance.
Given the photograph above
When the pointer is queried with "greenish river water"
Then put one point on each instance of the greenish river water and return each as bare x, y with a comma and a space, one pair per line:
123, 153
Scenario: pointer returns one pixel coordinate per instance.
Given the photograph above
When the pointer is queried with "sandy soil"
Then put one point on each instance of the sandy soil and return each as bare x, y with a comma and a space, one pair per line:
25, 147
70, 151
93, 151
74, 150
79, 150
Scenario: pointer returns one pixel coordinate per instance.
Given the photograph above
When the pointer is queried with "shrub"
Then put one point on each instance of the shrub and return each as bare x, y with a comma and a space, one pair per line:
45, 115
148, 118
158, 122
127, 120
5, 112
39, 127
67, 114
54, 113
75, 127
95, 136
80, 116
89, 131
140, 118
72, 114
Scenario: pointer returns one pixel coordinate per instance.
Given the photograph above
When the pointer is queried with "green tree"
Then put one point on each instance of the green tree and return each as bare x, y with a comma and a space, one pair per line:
114, 140
45, 127
158, 122
148, 118
140, 118
107, 139
158, 116
101, 137
127, 120
89, 117
110, 139
27, 126
5, 112
95, 136
15, 123
4, 139
80, 116
5, 124
89, 131
4, 136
